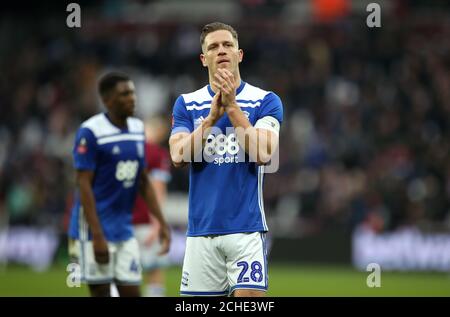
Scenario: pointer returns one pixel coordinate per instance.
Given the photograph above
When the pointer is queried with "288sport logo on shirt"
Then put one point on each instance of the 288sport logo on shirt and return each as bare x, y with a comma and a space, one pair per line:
221, 149
126, 172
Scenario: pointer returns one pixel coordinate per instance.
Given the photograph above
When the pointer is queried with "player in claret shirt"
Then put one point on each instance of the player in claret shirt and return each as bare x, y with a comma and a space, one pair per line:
147, 226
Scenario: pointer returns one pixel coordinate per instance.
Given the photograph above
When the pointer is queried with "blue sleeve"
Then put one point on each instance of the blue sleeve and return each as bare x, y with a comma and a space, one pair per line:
271, 106
181, 122
85, 150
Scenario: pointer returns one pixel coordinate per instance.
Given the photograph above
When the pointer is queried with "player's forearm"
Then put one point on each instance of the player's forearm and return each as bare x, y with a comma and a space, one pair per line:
90, 212
148, 193
155, 222
189, 147
257, 143
153, 205
160, 188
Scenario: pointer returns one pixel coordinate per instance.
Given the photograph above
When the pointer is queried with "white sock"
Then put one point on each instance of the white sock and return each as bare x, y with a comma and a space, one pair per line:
114, 291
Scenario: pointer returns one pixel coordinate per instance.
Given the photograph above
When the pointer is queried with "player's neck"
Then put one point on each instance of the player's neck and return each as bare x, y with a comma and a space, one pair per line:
118, 121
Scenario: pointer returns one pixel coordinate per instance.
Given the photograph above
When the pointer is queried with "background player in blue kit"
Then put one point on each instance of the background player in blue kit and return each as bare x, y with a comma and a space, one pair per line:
110, 162
227, 130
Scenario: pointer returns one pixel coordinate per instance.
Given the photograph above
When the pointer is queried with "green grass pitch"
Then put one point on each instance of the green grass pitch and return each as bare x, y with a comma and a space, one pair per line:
284, 280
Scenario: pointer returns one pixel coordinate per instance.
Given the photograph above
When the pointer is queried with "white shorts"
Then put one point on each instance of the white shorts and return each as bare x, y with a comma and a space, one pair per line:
150, 259
219, 264
124, 266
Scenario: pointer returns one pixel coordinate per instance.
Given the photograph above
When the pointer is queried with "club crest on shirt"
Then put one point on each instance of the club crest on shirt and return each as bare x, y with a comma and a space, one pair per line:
82, 146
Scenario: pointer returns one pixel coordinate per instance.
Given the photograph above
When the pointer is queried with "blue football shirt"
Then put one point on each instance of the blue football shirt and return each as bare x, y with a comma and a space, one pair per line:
225, 187
117, 157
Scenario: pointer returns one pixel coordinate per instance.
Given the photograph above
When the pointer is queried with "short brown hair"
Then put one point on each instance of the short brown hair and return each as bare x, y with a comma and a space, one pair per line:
216, 26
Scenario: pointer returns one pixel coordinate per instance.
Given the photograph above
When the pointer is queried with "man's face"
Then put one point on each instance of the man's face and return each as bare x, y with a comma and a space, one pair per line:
220, 50
122, 99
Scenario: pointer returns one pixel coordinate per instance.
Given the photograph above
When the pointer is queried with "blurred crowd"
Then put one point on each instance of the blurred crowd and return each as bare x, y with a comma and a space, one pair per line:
365, 137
